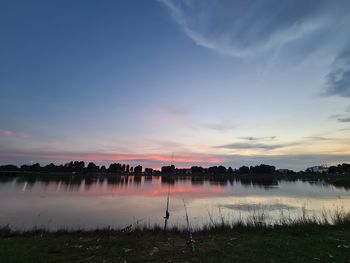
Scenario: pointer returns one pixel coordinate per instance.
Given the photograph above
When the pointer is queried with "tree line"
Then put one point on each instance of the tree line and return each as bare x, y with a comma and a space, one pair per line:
221, 170
79, 167
339, 169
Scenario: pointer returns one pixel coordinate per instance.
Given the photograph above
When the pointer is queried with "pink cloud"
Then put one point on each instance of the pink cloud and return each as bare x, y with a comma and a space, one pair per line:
154, 161
7, 133
13, 134
22, 135
157, 158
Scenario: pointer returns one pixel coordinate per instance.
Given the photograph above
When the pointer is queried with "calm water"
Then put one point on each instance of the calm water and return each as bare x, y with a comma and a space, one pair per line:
126, 200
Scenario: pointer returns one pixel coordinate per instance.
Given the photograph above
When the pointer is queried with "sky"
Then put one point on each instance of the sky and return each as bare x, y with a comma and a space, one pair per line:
188, 82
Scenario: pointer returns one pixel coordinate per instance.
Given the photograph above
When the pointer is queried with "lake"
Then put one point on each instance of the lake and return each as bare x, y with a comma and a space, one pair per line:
120, 201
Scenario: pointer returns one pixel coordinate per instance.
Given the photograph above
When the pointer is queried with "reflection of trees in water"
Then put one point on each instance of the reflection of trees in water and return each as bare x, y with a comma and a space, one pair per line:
223, 181
137, 180
8, 177
219, 180
168, 180
148, 178
264, 181
75, 180
29, 181
115, 180
196, 180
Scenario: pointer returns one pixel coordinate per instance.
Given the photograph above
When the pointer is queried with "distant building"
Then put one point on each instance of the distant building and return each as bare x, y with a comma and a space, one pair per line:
317, 169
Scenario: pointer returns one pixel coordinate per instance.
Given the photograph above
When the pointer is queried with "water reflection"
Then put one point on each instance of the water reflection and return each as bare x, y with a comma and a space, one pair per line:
76, 202
132, 183
74, 182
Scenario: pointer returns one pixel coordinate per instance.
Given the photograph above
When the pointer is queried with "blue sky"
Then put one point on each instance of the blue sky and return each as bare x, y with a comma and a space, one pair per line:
209, 82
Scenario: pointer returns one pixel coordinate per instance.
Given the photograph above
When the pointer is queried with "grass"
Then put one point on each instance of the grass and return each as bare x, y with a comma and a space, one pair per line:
312, 243
299, 240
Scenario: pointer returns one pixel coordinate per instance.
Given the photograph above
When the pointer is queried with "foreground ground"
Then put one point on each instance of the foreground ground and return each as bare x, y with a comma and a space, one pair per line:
285, 244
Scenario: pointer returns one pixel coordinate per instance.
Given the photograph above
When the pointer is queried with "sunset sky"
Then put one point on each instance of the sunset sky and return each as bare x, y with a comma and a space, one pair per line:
189, 82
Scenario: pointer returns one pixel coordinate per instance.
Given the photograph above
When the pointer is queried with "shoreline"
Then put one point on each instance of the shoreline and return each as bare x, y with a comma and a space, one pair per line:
303, 243
339, 218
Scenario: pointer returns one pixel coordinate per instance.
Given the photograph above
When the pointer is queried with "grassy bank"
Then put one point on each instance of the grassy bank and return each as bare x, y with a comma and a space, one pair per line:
297, 243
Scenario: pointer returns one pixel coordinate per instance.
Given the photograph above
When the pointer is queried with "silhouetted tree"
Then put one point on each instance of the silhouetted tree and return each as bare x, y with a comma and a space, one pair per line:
244, 170
115, 168
168, 169
217, 170
148, 170
197, 170
339, 169
76, 166
92, 168
138, 169
31, 168
50, 167
9, 168
262, 169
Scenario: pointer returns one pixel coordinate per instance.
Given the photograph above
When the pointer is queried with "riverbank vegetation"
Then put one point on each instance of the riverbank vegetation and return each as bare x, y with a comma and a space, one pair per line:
265, 175
79, 167
307, 240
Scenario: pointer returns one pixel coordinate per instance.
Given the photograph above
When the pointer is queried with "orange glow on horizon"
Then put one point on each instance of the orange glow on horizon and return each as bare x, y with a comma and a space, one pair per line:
157, 158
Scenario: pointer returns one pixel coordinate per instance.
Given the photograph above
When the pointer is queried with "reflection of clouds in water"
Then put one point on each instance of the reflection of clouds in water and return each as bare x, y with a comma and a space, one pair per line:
119, 201
264, 207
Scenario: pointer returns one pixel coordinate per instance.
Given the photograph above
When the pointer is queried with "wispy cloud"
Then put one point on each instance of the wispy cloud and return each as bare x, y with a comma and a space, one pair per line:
14, 134
335, 116
252, 138
257, 146
174, 111
320, 138
258, 143
243, 28
344, 119
168, 115
7, 133
222, 126
338, 80
341, 117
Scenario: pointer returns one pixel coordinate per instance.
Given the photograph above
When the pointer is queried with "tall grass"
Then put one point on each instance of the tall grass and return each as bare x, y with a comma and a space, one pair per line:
257, 220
